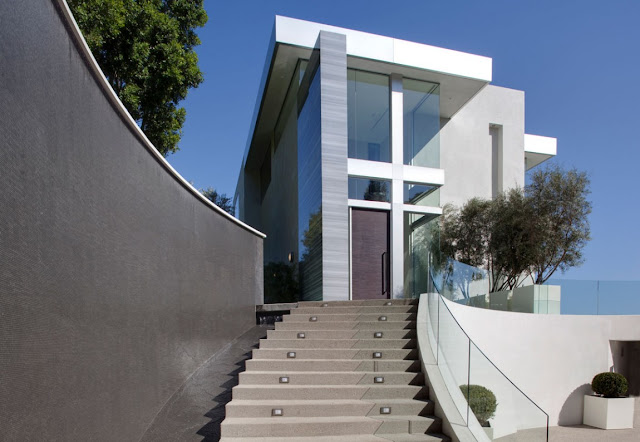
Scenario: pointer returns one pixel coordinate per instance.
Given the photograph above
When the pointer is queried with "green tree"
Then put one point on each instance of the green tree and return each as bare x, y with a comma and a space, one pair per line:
145, 49
531, 232
219, 199
558, 200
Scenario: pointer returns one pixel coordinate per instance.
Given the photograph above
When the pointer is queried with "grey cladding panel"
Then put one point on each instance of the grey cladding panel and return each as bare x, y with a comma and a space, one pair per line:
335, 221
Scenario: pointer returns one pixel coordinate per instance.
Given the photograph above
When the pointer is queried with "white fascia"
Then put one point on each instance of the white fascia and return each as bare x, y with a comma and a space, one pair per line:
538, 149
387, 49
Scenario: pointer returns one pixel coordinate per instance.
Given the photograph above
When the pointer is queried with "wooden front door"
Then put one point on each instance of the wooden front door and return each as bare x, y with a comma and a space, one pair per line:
369, 254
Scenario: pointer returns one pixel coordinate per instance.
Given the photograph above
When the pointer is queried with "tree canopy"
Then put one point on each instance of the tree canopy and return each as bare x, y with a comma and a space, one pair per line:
219, 199
146, 50
522, 233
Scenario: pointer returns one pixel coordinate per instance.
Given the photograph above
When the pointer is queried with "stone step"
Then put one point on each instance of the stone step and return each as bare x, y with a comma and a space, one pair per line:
330, 378
351, 317
332, 365
346, 325
293, 392
339, 343
432, 437
327, 408
362, 302
340, 334
337, 353
282, 426
409, 424
351, 438
355, 309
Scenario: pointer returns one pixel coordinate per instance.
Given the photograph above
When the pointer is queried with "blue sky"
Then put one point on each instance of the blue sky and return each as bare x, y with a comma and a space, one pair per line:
577, 61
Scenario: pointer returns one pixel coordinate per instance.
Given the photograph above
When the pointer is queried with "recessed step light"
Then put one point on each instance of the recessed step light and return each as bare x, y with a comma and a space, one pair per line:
387, 303
385, 410
377, 355
325, 305
313, 319
382, 318
377, 335
301, 335
284, 379
276, 412
291, 354
378, 380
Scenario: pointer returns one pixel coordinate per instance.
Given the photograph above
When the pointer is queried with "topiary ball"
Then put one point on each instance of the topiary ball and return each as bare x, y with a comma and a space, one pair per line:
481, 400
610, 385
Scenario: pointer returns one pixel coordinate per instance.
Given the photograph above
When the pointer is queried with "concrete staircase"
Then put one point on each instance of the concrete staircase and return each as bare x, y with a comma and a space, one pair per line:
335, 371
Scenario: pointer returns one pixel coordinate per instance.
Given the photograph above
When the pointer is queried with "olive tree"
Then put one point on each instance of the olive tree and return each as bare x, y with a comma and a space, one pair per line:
530, 232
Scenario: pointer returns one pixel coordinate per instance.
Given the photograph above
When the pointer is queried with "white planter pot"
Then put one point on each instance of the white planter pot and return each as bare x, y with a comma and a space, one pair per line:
489, 432
608, 413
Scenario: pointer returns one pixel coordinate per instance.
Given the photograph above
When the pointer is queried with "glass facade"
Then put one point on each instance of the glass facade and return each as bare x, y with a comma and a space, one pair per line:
368, 103
421, 120
421, 246
369, 189
310, 191
421, 195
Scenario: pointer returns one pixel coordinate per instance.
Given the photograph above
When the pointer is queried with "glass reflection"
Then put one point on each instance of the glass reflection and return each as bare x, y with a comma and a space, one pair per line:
421, 110
421, 195
368, 115
369, 190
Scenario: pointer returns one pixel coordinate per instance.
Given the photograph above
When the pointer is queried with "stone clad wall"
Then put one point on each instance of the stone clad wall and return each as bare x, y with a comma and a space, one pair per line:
117, 281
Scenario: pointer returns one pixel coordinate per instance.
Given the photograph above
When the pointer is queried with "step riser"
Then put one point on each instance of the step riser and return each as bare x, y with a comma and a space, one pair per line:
355, 310
363, 302
253, 392
276, 429
332, 366
377, 325
329, 409
368, 317
341, 334
339, 353
355, 378
339, 343
411, 427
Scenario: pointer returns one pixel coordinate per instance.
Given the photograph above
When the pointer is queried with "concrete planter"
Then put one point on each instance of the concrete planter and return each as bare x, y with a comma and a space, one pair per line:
489, 432
608, 413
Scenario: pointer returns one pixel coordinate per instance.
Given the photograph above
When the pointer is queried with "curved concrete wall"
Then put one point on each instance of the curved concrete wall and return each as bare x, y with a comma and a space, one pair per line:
117, 279
552, 358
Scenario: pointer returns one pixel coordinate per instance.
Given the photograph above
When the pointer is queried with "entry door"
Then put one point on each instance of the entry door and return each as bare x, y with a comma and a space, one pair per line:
369, 254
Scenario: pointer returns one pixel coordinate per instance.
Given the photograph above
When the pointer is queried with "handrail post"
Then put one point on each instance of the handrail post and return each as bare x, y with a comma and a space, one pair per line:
438, 333
468, 380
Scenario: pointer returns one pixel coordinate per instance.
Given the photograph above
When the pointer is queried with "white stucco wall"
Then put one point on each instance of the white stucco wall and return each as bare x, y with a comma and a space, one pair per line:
551, 358
466, 152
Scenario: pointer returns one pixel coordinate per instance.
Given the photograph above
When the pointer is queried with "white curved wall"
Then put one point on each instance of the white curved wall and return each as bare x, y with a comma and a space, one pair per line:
550, 358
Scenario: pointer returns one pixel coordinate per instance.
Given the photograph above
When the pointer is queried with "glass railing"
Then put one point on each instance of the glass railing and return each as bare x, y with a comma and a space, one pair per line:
495, 403
588, 297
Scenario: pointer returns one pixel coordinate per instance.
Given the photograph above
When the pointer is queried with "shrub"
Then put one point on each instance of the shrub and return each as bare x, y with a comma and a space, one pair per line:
610, 384
481, 400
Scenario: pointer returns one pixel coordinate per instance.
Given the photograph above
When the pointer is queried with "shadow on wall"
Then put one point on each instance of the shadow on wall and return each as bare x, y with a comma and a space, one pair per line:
571, 412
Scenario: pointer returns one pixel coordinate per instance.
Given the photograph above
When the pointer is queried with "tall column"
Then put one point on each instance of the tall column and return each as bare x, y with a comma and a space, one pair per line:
397, 189
334, 139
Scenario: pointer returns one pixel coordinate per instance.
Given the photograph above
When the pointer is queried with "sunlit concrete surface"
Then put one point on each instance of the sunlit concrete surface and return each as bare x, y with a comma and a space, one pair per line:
582, 433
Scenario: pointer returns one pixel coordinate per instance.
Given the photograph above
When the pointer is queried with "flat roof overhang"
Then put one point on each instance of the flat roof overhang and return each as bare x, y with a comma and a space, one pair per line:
538, 149
460, 75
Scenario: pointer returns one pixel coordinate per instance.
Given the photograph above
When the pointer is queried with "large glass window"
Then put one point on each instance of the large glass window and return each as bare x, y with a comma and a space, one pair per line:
421, 250
310, 191
368, 115
369, 189
421, 195
421, 110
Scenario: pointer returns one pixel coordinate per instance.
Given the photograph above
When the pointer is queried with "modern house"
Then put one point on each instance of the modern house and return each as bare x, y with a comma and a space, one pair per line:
357, 142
